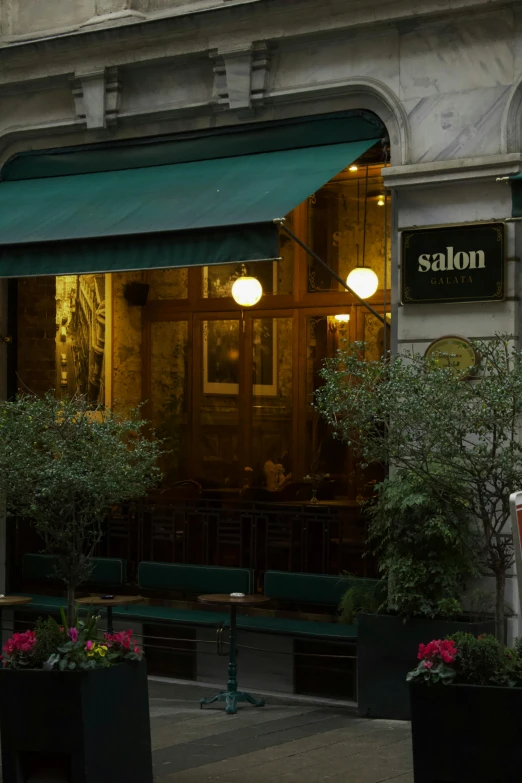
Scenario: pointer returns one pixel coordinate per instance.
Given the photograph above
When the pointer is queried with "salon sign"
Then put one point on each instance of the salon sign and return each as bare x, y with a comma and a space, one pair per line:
453, 264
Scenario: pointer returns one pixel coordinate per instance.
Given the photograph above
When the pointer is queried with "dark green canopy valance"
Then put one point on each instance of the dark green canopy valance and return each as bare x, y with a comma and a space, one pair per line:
191, 212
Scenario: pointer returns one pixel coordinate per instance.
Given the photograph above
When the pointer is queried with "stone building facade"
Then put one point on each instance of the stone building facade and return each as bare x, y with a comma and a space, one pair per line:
444, 76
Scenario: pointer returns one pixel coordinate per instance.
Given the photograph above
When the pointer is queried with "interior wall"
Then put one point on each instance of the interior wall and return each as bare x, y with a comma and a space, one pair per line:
126, 345
36, 334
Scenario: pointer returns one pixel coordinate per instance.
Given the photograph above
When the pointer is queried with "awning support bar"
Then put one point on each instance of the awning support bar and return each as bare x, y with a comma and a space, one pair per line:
281, 222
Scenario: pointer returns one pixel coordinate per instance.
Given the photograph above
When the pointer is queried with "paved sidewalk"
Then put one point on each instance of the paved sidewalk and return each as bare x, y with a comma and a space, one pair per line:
286, 741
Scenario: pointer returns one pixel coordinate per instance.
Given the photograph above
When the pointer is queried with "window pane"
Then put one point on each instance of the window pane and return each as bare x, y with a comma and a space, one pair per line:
324, 453
336, 220
276, 277
219, 448
272, 402
169, 342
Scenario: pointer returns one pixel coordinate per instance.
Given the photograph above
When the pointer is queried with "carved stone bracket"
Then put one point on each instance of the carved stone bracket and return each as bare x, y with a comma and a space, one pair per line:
240, 75
97, 97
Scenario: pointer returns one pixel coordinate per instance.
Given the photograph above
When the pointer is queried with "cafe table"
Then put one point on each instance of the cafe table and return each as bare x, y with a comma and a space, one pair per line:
232, 696
9, 602
109, 601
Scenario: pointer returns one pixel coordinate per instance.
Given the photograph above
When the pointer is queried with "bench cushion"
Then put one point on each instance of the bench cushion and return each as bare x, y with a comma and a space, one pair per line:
50, 604
194, 579
106, 570
167, 614
281, 625
309, 588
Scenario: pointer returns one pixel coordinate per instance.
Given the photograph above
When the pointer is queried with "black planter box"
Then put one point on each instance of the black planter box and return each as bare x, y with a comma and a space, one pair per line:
387, 650
76, 727
466, 734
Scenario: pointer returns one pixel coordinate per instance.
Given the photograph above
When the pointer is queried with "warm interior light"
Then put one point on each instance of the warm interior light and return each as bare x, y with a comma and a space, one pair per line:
342, 318
354, 168
380, 202
363, 281
247, 291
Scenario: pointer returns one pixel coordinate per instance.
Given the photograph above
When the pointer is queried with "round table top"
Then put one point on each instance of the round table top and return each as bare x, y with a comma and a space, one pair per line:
117, 600
14, 600
225, 599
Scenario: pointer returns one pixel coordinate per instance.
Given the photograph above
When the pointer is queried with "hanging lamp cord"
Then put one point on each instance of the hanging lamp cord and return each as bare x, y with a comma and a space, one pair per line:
365, 213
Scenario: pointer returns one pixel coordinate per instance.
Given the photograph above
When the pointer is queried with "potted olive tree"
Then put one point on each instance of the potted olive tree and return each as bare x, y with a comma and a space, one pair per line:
63, 463
73, 703
466, 702
457, 437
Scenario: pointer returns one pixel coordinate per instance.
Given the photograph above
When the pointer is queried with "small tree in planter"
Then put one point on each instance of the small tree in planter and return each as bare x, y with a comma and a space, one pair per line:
458, 435
62, 464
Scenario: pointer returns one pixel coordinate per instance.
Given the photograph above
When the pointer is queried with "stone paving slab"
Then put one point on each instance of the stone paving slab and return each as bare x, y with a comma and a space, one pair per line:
287, 741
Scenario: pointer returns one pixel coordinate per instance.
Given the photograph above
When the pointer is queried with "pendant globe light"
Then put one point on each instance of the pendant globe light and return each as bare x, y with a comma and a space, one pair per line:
362, 279
247, 291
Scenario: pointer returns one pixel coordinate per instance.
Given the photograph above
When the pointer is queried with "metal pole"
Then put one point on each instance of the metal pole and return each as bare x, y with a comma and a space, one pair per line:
281, 222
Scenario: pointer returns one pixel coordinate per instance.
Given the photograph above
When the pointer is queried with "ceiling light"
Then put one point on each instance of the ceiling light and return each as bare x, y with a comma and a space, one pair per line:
247, 291
363, 281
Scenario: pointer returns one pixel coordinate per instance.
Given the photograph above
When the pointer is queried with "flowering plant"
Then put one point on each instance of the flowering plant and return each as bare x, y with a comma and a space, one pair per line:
436, 662
467, 659
18, 650
79, 647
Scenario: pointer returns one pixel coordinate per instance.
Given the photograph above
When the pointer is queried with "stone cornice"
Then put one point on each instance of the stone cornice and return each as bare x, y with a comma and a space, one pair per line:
269, 19
486, 168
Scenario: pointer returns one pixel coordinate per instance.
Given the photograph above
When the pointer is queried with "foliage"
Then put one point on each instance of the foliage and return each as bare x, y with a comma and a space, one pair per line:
48, 637
425, 541
51, 646
63, 463
480, 659
363, 595
459, 435
467, 659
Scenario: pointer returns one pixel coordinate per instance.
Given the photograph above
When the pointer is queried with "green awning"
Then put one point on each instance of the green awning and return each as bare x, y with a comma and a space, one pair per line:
193, 213
516, 191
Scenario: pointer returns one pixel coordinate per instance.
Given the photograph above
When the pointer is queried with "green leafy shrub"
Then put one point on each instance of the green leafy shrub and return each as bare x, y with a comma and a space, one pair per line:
363, 596
426, 545
424, 415
48, 637
480, 660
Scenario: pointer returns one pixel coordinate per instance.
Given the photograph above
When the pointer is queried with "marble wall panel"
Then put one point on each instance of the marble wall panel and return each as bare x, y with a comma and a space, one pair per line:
34, 107
456, 55
148, 89
33, 16
454, 202
348, 57
420, 324
456, 125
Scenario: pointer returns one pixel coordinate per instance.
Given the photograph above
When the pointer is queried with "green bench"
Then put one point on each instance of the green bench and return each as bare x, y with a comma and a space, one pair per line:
38, 569
313, 591
302, 590
188, 581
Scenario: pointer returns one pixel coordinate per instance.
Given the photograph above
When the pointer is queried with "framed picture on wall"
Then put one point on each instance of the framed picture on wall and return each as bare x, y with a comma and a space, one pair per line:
221, 353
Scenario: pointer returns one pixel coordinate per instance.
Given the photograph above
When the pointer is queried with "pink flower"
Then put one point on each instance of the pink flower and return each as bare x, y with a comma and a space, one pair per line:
137, 650
428, 664
73, 635
89, 645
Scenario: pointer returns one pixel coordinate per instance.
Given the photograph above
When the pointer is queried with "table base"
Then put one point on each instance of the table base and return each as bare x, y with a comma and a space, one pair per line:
232, 698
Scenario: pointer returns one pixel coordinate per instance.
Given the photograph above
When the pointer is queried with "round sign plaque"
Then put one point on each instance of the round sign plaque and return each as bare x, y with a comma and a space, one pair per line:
456, 352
